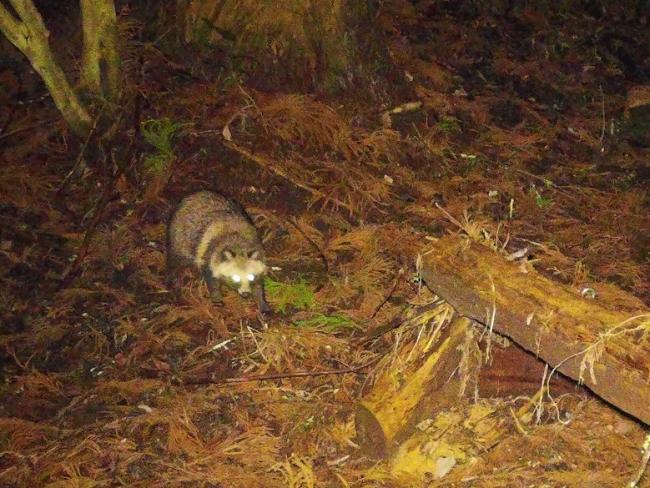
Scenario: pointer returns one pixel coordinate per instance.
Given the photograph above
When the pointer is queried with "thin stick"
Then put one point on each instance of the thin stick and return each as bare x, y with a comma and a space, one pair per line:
73, 403
98, 213
400, 273
10, 119
281, 173
30, 127
294, 223
450, 217
398, 321
297, 374
602, 130
76, 164
560, 189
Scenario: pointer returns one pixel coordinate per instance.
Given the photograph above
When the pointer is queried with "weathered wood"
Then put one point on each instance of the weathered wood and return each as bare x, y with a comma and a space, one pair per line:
513, 372
388, 413
550, 320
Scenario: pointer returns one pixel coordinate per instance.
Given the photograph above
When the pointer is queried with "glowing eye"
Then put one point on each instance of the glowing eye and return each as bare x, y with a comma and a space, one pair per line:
236, 278
250, 277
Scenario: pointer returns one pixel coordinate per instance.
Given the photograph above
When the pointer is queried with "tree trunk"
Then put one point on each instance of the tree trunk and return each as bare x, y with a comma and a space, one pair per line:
30, 36
297, 43
100, 61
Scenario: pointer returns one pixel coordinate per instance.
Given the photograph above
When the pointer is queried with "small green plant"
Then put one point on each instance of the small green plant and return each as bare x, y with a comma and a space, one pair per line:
626, 181
583, 173
449, 124
160, 133
297, 295
328, 323
540, 200
233, 78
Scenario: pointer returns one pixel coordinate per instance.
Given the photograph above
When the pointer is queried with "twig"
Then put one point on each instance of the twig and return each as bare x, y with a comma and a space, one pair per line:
76, 164
137, 105
382, 329
179, 68
547, 181
20, 364
98, 213
400, 273
34, 99
10, 118
491, 316
30, 127
450, 217
293, 222
283, 174
252, 103
602, 129
398, 321
297, 374
73, 403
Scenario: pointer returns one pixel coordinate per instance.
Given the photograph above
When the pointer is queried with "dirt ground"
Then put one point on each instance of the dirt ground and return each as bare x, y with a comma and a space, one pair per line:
514, 126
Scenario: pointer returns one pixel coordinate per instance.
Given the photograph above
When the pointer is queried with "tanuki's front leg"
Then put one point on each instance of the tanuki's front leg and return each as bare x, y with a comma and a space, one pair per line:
172, 268
262, 304
214, 287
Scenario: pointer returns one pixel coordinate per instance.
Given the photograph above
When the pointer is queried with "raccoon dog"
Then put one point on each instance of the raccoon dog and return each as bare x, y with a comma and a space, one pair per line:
215, 235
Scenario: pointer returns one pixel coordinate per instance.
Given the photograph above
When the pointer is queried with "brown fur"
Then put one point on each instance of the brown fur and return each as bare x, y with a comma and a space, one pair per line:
211, 233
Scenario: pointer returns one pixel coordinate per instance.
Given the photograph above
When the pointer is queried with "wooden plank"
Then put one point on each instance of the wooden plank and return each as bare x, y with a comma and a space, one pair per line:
549, 319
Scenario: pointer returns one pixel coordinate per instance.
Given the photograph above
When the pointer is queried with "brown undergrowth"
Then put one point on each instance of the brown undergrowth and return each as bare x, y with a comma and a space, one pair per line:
111, 379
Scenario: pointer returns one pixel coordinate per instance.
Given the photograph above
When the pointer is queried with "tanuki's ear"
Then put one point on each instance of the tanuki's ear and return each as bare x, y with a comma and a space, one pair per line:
227, 255
254, 254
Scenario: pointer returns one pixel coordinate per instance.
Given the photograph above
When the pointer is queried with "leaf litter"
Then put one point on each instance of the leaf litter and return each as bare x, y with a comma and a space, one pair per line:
97, 373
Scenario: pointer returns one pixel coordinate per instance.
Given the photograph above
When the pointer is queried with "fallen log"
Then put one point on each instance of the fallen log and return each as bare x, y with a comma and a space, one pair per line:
513, 372
402, 394
603, 344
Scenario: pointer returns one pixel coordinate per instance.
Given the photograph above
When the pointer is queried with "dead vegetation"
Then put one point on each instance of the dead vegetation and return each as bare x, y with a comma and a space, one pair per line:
110, 379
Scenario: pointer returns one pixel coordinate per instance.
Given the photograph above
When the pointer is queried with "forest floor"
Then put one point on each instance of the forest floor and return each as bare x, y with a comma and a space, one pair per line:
511, 130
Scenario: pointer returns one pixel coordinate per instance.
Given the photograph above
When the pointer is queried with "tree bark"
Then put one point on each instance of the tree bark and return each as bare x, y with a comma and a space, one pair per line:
602, 343
100, 61
30, 36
